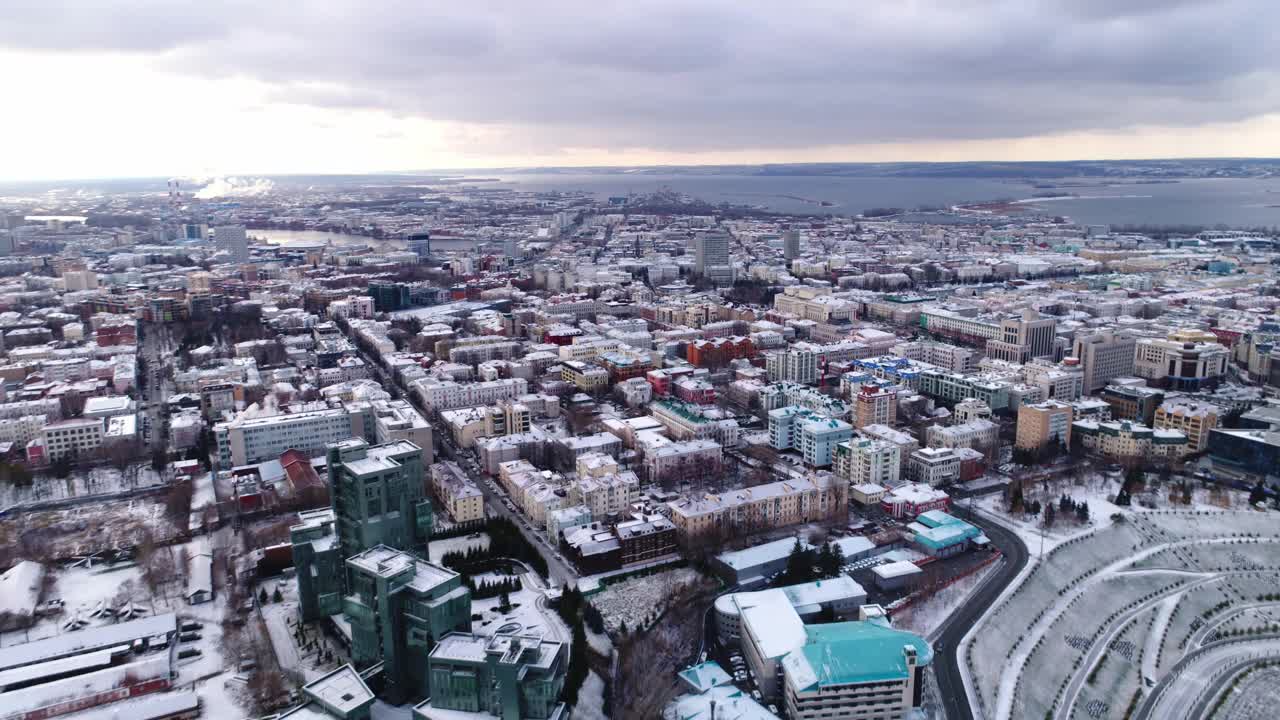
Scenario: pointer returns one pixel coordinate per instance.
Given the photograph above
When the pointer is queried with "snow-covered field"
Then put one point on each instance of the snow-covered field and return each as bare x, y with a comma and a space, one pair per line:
80, 484
631, 601
528, 610
439, 548
926, 616
85, 528
1106, 590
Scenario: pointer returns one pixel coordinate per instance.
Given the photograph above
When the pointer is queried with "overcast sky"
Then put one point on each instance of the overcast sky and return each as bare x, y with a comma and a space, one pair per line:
157, 87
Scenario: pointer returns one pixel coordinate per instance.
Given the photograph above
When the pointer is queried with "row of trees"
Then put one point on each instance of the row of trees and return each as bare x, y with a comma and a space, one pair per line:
572, 609
806, 564
505, 541
485, 589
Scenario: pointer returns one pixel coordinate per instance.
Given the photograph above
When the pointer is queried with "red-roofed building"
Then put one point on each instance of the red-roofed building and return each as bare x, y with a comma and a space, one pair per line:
308, 487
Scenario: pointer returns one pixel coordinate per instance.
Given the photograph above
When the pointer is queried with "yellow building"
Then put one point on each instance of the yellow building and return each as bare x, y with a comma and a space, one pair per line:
1192, 418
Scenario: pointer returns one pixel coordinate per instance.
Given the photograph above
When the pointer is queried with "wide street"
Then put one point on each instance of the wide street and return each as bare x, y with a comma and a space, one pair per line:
946, 661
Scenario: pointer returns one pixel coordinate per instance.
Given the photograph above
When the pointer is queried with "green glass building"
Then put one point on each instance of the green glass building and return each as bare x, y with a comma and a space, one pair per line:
379, 496
317, 560
514, 675
399, 607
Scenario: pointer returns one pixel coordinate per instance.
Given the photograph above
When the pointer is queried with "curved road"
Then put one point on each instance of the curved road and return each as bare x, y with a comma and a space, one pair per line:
946, 663
1194, 677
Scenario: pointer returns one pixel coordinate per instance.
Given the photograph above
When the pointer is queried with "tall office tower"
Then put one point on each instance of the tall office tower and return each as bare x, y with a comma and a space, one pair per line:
1024, 337
419, 242
234, 240
712, 252
793, 365
511, 247
1103, 356
379, 495
791, 244
194, 231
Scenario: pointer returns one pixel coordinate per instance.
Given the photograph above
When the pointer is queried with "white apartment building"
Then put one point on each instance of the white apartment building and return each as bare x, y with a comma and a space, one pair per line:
1179, 365
605, 494
864, 461
981, 435
73, 438
21, 430
1102, 357
935, 466
447, 394
234, 240
248, 441
795, 365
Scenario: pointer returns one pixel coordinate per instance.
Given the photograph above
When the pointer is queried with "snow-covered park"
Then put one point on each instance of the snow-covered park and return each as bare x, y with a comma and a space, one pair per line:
1091, 627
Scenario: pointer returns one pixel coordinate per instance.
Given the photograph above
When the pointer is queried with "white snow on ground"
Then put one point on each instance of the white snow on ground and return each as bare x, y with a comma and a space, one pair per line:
590, 699
20, 588
79, 484
220, 696
202, 491
599, 642
382, 711
1075, 600
439, 548
528, 609
926, 616
1164, 612
631, 601
279, 618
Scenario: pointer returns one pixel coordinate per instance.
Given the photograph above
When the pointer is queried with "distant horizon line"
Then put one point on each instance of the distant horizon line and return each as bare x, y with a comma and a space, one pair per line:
660, 166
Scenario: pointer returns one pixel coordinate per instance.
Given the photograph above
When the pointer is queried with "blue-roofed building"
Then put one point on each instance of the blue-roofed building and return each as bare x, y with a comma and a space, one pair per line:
939, 534
858, 669
712, 696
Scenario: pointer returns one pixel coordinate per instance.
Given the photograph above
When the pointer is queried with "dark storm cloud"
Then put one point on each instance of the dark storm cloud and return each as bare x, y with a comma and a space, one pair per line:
712, 74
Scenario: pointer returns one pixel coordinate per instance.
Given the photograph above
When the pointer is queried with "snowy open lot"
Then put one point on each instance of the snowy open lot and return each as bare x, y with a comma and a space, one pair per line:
1117, 600
439, 548
631, 601
87, 528
81, 483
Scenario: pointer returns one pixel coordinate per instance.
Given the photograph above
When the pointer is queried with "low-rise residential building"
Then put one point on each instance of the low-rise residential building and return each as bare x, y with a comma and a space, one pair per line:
456, 493
1126, 440
763, 507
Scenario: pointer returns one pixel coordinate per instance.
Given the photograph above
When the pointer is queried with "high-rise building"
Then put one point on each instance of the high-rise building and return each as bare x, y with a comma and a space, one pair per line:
379, 495
1103, 356
1024, 337
513, 676
419, 243
794, 365
234, 240
1043, 423
1180, 365
791, 244
874, 406
712, 257
399, 608
389, 296
864, 461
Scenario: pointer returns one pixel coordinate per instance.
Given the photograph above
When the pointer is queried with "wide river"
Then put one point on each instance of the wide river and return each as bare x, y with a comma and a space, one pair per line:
1234, 202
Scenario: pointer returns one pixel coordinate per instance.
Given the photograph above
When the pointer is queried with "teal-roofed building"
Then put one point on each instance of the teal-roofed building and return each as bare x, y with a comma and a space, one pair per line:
863, 669
399, 607
515, 675
941, 535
